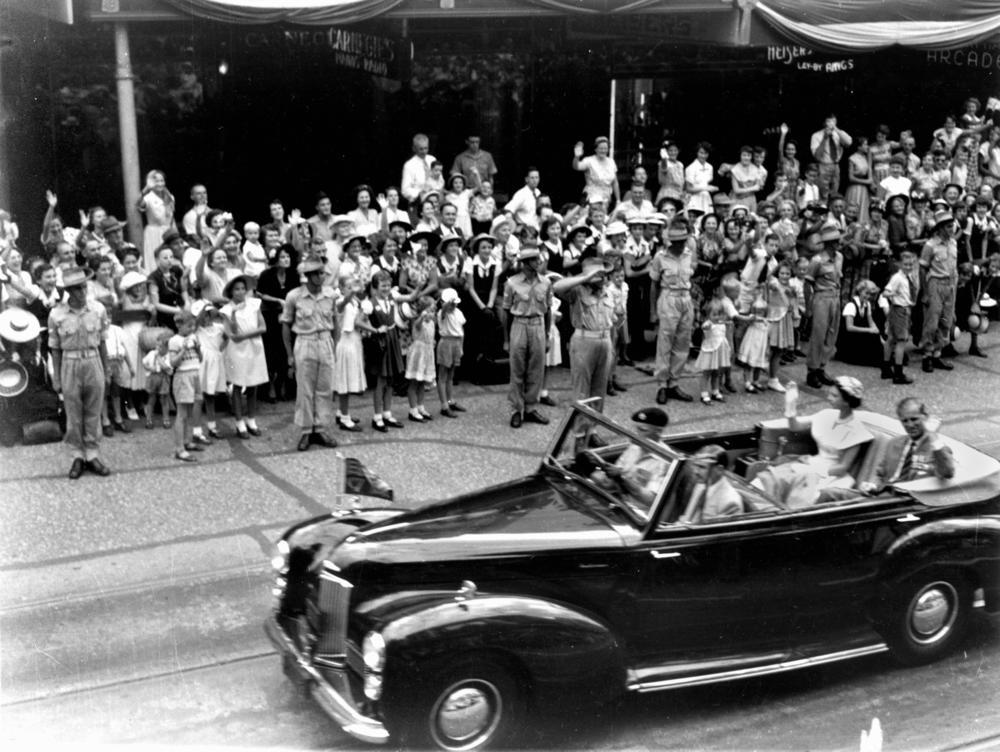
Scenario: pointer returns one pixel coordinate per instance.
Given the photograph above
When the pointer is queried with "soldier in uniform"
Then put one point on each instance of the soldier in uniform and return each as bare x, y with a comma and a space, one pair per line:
80, 366
593, 312
672, 309
527, 305
309, 312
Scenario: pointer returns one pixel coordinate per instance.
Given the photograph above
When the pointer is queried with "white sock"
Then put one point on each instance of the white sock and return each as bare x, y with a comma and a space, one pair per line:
241, 425
346, 420
387, 413
252, 423
197, 431
211, 425
378, 419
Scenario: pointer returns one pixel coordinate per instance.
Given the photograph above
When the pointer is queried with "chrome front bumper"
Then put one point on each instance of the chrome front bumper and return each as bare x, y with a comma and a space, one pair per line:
329, 689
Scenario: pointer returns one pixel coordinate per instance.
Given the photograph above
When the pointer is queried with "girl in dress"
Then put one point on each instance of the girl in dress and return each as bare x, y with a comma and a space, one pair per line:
254, 255
349, 357
670, 171
881, 153
102, 287
420, 366
136, 313
782, 314
459, 196
382, 354
121, 373
157, 203
859, 340
635, 263
483, 207
859, 176
387, 261
451, 325
483, 336
754, 347
246, 364
211, 334
788, 163
715, 355
156, 363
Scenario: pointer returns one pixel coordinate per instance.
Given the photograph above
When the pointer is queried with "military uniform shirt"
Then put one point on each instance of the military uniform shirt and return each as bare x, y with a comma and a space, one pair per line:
308, 313
527, 298
84, 329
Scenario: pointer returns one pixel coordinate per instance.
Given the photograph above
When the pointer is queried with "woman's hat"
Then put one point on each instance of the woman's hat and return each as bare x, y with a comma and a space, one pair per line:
458, 175
615, 228
403, 314
850, 385
13, 379
431, 238
670, 199
451, 237
904, 197
941, 218
816, 206
500, 219
130, 280
427, 194
311, 265
656, 219
362, 238
110, 224
918, 195
402, 223
576, 230
637, 219
474, 243
956, 186
246, 279
339, 219
18, 325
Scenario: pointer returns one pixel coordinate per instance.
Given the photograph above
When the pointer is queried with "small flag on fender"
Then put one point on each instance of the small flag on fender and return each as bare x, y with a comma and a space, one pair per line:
359, 480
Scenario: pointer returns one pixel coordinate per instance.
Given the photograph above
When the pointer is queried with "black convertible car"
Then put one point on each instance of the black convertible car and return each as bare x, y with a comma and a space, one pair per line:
446, 626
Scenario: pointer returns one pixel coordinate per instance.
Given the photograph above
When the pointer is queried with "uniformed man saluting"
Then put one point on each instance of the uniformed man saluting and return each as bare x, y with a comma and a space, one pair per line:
527, 302
80, 370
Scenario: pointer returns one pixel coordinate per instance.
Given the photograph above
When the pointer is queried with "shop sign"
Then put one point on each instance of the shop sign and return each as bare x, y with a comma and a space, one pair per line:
803, 59
368, 53
641, 29
983, 57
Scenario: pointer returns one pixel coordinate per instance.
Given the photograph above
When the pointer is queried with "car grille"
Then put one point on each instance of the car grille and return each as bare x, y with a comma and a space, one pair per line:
327, 615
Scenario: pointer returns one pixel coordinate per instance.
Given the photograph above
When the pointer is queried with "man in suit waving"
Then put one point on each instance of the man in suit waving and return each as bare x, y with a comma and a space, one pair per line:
919, 454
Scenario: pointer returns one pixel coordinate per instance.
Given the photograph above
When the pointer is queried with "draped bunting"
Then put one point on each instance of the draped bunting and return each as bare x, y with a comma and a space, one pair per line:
309, 12
965, 22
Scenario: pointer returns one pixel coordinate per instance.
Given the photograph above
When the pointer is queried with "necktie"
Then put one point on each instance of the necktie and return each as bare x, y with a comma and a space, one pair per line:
913, 289
906, 469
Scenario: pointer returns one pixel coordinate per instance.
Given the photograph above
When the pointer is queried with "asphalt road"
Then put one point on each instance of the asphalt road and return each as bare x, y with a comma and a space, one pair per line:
130, 607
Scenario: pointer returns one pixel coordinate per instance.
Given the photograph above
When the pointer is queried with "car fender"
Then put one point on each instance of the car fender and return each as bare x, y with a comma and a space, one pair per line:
320, 534
969, 544
556, 650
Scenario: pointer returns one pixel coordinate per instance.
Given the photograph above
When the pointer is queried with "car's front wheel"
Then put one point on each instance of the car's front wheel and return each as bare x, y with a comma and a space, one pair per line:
474, 705
930, 616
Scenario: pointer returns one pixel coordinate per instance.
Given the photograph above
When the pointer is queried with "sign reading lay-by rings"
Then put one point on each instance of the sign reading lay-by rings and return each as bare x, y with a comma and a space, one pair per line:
368, 53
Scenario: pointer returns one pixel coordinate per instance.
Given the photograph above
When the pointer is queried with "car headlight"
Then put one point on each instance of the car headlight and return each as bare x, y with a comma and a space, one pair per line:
373, 652
279, 561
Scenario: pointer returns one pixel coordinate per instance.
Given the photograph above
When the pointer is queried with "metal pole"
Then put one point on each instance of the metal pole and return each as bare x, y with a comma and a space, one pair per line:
611, 123
127, 134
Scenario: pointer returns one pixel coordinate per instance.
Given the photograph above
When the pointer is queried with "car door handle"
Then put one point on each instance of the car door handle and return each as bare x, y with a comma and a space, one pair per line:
908, 518
665, 554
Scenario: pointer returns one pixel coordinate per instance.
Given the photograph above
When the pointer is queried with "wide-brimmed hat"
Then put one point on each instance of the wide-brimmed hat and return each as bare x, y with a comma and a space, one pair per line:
451, 237
721, 199
432, 239
131, 279
593, 261
904, 196
18, 325
615, 228
669, 199
449, 295
13, 378
941, 218
110, 223
528, 252
637, 219
402, 223
311, 265
339, 219
246, 279
656, 219
362, 238
500, 219
454, 175
428, 193
677, 234
830, 233
850, 385
576, 230
76, 276
403, 314
474, 243
961, 189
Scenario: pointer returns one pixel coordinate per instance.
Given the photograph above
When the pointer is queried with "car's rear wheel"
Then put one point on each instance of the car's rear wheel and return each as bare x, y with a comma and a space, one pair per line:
475, 705
930, 616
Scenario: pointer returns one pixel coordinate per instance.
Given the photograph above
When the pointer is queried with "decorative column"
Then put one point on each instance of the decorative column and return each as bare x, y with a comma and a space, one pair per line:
127, 133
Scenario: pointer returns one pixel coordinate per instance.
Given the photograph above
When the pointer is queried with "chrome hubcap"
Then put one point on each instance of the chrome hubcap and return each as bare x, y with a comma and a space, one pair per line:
932, 612
466, 714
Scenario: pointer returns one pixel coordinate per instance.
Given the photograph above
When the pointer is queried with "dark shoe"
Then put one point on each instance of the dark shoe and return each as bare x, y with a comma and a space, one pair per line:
824, 377
123, 427
320, 438
380, 427
353, 427
214, 433
533, 416
898, 377
108, 430
626, 361
611, 391
661, 396
185, 457
446, 412
98, 468
167, 424
728, 386
418, 418
393, 423
813, 380
718, 397
253, 431
193, 446
887, 369
76, 469
304, 441
243, 434
943, 365
149, 423
949, 351
515, 420
426, 416
977, 352
547, 401
457, 407
928, 365
798, 353
618, 386
676, 393
706, 399
201, 439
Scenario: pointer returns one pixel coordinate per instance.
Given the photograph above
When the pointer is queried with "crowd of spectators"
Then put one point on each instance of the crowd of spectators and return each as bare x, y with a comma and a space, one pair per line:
750, 264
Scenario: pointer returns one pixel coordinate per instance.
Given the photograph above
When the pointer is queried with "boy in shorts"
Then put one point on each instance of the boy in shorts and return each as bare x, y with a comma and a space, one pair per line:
185, 358
901, 294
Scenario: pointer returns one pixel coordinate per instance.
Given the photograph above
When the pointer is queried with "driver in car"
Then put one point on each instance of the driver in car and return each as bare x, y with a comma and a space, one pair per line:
637, 471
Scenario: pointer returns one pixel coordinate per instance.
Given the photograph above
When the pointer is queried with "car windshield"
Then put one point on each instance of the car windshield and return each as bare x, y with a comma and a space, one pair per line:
629, 471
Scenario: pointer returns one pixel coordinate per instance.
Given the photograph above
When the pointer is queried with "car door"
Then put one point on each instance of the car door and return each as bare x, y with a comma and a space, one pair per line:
715, 591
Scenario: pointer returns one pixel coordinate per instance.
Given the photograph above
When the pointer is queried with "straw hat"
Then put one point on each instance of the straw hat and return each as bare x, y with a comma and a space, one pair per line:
18, 325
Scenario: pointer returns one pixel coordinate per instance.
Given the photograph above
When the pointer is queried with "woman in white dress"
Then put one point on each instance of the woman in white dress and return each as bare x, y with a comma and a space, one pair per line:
600, 172
698, 178
157, 203
458, 196
839, 435
366, 219
246, 363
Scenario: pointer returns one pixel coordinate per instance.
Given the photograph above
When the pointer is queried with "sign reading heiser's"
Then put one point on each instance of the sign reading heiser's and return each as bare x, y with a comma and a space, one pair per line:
372, 54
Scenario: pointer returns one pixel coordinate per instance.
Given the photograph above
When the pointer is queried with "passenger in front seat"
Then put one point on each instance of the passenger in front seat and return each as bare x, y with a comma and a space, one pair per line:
713, 496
